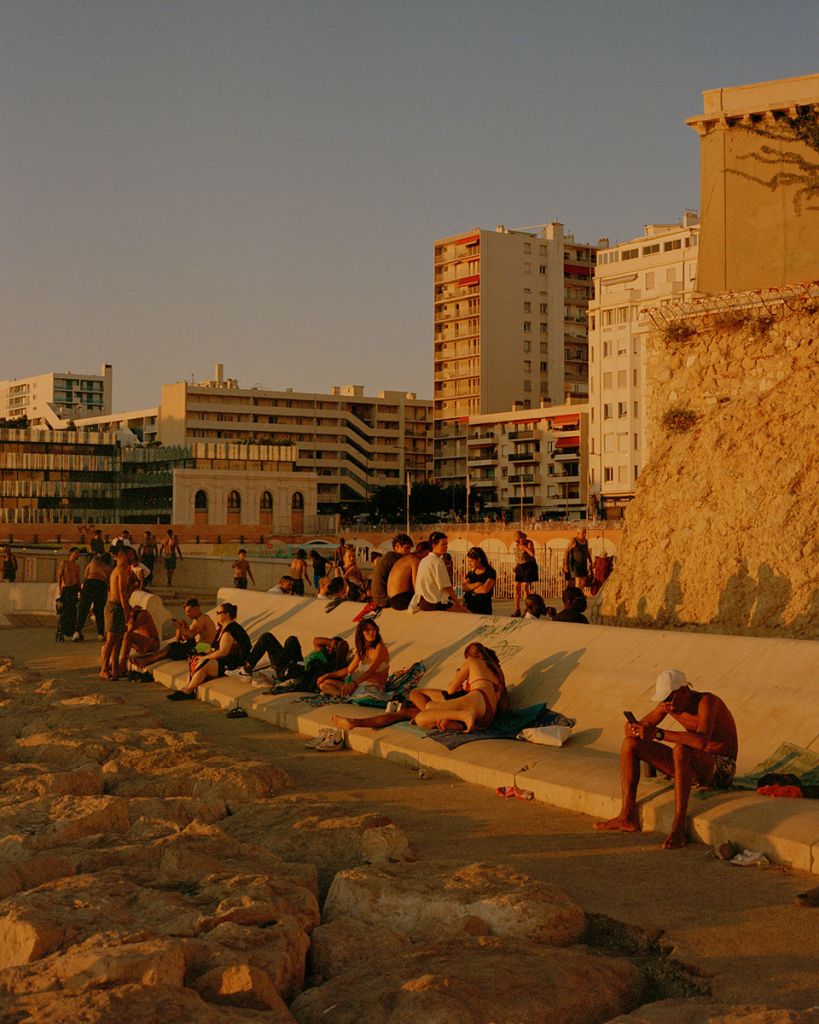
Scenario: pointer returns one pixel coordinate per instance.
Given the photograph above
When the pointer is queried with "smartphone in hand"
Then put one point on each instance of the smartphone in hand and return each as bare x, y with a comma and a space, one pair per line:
630, 718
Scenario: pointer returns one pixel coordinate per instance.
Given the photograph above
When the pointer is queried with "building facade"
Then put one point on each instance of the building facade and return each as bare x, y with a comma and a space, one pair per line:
529, 463
510, 329
660, 266
46, 398
352, 443
759, 181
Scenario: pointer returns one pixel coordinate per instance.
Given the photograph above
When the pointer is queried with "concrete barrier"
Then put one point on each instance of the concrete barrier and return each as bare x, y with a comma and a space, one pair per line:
27, 599
591, 673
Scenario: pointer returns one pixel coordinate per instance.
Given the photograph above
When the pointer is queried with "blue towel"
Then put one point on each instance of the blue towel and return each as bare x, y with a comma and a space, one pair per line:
506, 726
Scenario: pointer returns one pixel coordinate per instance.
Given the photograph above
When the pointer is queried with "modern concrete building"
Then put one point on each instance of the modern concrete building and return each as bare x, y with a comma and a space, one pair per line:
352, 442
659, 266
47, 398
510, 327
759, 185
529, 463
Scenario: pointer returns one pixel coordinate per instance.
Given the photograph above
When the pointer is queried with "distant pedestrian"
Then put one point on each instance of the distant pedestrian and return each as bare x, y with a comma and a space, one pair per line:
577, 559
147, 555
9, 564
170, 553
68, 584
93, 594
298, 570
242, 571
526, 572
319, 567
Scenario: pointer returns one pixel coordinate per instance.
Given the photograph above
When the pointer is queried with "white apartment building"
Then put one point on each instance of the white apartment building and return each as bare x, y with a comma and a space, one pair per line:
353, 442
46, 398
659, 266
510, 329
530, 463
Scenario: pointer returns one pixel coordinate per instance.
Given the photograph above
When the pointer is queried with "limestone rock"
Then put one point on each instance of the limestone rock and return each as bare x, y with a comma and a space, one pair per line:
698, 1012
734, 496
125, 1004
477, 981
241, 985
432, 902
337, 947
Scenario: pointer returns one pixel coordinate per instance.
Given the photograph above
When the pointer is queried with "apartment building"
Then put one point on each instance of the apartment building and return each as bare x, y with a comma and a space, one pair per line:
529, 464
352, 442
48, 397
510, 328
659, 266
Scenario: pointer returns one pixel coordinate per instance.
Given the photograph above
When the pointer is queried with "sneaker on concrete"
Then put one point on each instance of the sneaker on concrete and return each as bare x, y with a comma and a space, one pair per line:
333, 741
323, 734
77, 638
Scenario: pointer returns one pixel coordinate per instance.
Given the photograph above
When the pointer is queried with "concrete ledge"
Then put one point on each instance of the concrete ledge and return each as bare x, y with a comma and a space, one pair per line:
589, 672
36, 598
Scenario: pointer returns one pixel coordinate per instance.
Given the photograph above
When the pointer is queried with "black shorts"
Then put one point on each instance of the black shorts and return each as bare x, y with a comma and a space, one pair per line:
400, 602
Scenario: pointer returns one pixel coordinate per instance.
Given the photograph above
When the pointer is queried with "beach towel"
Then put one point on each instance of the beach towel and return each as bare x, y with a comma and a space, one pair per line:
506, 726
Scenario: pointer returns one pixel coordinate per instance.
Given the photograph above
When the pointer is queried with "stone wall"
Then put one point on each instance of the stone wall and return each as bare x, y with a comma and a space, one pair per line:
722, 534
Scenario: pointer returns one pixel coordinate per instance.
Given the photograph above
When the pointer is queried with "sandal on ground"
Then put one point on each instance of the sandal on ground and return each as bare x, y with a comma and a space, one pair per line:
236, 713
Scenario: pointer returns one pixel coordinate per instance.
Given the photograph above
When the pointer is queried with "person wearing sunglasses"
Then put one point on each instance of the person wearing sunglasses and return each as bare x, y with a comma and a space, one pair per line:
230, 650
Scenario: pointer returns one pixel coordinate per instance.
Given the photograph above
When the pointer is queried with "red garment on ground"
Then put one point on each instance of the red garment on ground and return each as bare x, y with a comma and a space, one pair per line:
791, 791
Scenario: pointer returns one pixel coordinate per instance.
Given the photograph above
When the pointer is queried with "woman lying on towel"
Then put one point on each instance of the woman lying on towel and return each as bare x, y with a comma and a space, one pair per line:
475, 695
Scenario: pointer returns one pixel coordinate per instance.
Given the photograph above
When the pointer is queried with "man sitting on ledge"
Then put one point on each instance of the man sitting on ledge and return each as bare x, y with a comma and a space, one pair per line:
703, 753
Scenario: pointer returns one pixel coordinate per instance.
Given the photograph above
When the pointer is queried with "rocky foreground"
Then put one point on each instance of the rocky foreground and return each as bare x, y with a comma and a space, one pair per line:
145, 876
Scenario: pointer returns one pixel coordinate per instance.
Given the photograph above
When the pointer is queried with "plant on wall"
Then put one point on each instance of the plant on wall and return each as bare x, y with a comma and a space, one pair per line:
678, 419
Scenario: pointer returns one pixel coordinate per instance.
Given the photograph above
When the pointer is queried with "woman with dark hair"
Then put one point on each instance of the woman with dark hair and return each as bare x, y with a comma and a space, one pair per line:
525, 569
475, 695
370, 664
319, 568
479, 582
230, 650
536, 608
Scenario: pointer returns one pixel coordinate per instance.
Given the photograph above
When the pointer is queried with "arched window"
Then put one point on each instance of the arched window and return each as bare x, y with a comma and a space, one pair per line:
297, 512
234, 507
200, 508
266, 509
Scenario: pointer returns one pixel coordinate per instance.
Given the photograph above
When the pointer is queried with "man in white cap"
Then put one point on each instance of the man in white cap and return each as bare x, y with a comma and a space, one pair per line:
702, 753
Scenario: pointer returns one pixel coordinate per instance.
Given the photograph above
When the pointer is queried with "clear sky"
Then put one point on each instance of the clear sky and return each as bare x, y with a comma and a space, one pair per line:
259, 182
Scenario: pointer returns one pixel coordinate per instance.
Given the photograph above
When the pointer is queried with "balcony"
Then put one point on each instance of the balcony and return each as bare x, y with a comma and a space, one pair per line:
525, 457
482, 460
522, 478
482, 482
522, 435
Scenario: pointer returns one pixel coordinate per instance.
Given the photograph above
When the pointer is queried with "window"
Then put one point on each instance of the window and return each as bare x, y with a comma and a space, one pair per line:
622, 474
544, 328
607, 411
634, 378
544, 367
527, 345
621, 378
544, 346
636, 409
543, 307
607, 317
606, 349
527, 365
527, 325
621, 315
607, 380
622, 409
608, 474
527, 247
674, 244
630, 254
636, 442
542, 268
608, 443
527, 307
649, 250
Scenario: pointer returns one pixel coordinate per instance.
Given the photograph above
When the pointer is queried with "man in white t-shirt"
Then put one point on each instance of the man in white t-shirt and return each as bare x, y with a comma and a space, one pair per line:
433, 587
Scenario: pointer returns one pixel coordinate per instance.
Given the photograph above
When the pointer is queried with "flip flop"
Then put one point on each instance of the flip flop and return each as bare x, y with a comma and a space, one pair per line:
515, 792
236, 713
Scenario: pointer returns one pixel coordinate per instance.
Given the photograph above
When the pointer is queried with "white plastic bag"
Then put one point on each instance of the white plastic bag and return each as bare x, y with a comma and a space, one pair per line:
546, 735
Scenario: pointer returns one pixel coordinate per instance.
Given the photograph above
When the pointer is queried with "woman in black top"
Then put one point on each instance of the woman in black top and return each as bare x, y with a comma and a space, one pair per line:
230, 650
479, 582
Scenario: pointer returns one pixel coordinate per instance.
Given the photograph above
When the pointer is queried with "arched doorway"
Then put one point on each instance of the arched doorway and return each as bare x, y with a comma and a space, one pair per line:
266, 509
234, 508
297, 513
200, 508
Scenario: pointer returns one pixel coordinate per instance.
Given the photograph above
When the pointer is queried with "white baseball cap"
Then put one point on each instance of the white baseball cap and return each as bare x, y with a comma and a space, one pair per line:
668, 681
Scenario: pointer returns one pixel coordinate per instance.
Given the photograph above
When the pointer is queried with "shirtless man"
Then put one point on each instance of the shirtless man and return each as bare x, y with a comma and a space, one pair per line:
68, 584
401, 580
117, 612
703, 753
93, 595
170, 553
186, 639
141, 636
401, 546
241, 571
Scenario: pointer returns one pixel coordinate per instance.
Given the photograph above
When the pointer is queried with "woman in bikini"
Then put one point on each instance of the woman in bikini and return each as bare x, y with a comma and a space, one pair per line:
370, 665
473, 698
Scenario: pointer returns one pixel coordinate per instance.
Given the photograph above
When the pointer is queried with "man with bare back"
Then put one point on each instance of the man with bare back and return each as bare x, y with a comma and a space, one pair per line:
702, 753
117, 613
401, 580
170, 553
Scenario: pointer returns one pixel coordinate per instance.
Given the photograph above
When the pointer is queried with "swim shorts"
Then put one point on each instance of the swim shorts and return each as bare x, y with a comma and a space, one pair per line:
724, 771
114, 618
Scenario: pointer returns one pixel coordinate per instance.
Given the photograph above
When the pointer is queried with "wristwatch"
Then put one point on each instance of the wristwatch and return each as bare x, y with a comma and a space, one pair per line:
659, 734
